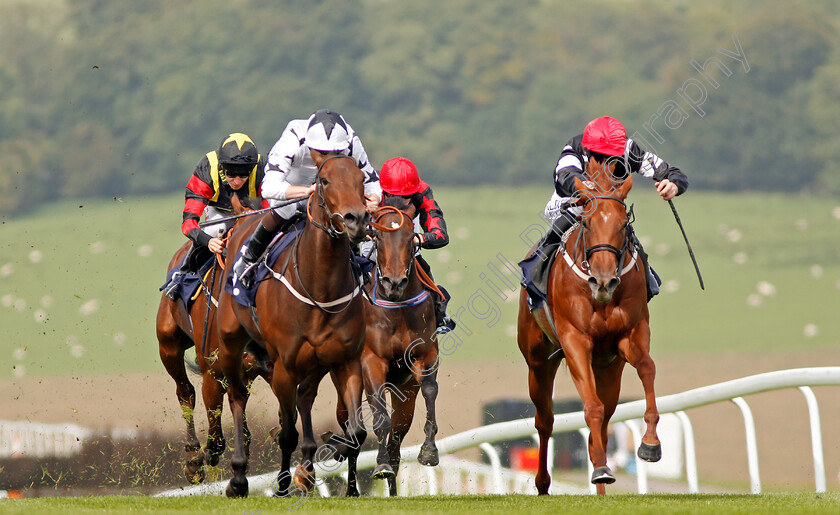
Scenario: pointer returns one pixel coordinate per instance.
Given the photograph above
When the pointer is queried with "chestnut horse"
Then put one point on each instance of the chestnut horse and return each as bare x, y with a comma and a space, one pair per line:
597, 318
305, 338
401, 351
177, 331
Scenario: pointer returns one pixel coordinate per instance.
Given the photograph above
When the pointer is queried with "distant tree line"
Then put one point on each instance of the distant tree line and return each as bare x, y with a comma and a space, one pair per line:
104, 98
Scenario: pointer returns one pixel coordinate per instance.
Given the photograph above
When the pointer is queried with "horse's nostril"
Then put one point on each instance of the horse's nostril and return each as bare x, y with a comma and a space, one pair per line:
592, 281
350, 218
613, 284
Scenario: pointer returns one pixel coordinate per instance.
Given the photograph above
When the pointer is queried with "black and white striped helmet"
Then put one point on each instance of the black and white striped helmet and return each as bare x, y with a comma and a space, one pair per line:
327, 132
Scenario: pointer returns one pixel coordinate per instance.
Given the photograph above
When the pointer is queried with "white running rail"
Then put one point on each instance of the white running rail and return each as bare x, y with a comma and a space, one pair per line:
801, 378
34, 440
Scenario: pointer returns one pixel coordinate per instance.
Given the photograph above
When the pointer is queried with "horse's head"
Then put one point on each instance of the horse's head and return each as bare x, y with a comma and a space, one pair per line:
340, 196
604, 229
394, 246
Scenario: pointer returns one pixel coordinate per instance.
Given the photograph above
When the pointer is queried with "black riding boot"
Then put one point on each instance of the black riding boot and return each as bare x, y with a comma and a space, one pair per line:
173, 289
444, 324
245, 269
195, 258
561, 224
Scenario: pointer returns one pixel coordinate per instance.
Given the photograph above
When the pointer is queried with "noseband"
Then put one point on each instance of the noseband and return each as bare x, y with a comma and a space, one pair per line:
331, 228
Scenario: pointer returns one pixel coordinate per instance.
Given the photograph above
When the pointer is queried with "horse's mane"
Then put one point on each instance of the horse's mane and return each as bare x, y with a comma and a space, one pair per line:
240, 205
401, 203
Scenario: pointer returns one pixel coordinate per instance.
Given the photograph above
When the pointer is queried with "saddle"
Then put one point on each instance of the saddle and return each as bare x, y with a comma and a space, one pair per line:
189, 282
282, 241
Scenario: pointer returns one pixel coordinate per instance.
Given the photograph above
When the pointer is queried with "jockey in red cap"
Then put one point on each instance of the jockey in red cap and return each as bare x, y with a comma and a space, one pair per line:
399, 178
603, 139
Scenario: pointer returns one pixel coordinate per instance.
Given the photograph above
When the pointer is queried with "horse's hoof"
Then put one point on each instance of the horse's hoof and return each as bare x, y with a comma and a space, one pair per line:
602, 476
237, 489
327, 437
651, 453
428, 455
212, 458
384, 471
304, 480
194, 468
195, 477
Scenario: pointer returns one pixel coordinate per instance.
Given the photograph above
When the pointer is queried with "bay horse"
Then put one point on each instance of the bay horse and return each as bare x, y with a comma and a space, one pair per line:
401, 350
597, 318
179, 329
305, 338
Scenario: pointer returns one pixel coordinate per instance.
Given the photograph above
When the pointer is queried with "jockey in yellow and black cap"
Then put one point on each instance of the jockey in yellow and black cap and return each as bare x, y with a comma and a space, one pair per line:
235, 168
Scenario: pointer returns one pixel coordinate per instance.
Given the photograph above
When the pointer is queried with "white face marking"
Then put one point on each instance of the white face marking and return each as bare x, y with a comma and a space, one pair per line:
395, 225
604, 216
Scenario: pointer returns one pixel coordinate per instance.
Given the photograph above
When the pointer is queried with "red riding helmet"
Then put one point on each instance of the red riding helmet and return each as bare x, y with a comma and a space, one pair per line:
605, 135
399, 177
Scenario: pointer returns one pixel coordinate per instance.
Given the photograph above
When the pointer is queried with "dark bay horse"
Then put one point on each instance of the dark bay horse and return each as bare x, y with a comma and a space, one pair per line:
310, 319
597, 318
178, 330
401, 351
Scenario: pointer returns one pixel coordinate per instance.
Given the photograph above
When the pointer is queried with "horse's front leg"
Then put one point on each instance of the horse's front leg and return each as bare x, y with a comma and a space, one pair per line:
403, 399
230, 358
307, 391
213, 392
349, 383
540, 387
172, 343
285, 390
429, 388
636, 350
578, 349
375, 370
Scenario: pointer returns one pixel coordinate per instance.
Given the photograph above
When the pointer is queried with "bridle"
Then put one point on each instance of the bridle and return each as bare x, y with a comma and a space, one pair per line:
330, 228
404, 219
621, 253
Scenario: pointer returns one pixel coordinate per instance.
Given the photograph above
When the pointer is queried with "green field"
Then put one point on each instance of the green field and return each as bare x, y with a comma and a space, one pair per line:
767, 503
79, 281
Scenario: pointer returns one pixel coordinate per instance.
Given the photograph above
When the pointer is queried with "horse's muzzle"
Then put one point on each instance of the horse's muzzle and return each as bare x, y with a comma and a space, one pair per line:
603, 287
393, 288
355, 224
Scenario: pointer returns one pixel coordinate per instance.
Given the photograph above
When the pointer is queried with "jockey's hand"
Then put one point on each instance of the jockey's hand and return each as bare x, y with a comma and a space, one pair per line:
666, 189
372, 202
419, 238
216, 245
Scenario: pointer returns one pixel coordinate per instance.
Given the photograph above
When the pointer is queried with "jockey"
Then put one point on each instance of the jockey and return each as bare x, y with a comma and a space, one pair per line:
604, 138
290, 174
399, 177
235, 168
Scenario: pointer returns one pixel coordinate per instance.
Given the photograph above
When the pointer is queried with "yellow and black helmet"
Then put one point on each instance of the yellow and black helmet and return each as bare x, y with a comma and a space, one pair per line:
238, 154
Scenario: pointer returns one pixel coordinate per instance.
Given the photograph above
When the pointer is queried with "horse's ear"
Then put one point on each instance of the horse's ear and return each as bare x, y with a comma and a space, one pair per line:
410, 210
583, 191
624, 189
318, 158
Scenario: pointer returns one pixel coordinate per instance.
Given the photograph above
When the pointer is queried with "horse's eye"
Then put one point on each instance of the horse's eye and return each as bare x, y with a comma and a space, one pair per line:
323, 181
